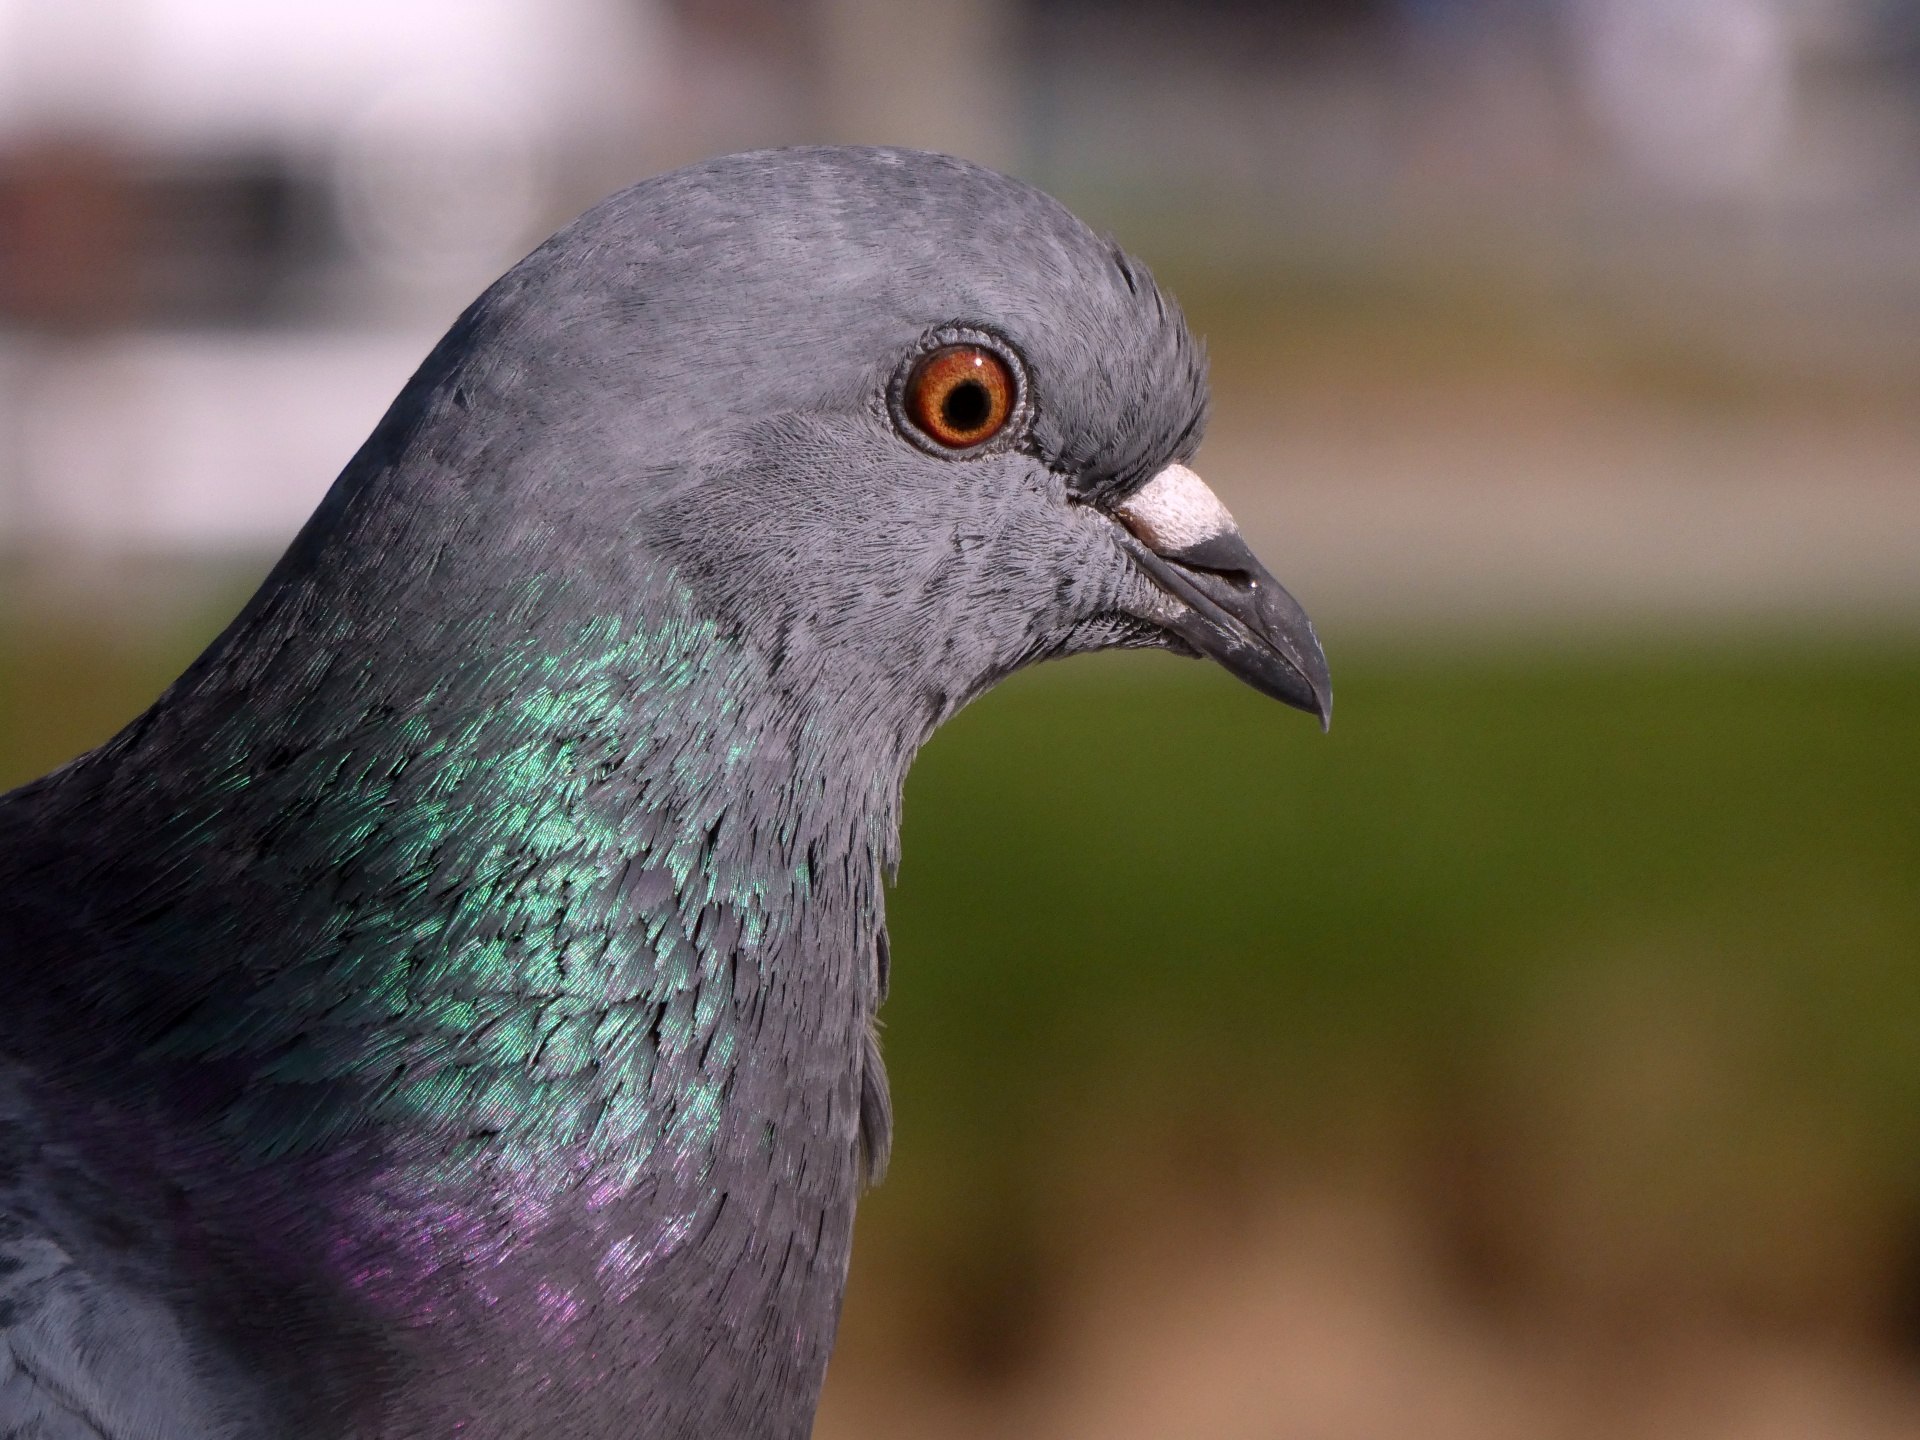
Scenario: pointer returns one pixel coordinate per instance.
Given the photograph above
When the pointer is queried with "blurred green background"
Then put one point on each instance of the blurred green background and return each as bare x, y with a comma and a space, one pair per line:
1538, 1053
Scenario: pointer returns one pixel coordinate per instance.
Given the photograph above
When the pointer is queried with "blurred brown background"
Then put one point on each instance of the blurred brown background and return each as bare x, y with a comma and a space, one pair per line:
1538, 1054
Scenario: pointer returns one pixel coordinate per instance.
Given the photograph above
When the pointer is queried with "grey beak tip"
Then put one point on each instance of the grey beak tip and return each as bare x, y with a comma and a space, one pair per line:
1319, 685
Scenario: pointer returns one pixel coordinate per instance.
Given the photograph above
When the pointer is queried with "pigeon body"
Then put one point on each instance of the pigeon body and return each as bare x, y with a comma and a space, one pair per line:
449, 1009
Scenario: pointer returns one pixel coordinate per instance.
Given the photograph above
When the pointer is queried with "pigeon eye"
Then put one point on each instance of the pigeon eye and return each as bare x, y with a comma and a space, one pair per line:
960, 396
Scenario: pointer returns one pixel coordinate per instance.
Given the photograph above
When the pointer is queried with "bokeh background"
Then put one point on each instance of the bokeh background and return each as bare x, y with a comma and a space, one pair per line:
1536, 1055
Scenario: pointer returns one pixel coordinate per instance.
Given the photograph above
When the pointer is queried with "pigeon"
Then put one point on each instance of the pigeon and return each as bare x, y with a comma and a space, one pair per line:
449, 1010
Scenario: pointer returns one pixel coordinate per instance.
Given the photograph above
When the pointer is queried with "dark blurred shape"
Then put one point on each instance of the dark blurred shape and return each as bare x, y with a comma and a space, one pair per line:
230, 237
93, 237
70, 236
998, 1303
1275, 18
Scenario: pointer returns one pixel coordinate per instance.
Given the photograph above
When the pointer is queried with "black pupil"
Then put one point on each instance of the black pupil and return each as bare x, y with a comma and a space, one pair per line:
967, 407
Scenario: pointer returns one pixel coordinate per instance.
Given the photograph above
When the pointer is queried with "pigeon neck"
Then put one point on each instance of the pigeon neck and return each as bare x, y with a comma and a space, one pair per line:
547, 979
591, 856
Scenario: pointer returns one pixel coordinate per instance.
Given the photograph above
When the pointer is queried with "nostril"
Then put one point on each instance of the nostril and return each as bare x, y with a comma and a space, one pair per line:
1236, 577
1222, 555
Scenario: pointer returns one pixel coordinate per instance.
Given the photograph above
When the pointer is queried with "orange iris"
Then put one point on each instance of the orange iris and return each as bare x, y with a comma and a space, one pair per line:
960, 395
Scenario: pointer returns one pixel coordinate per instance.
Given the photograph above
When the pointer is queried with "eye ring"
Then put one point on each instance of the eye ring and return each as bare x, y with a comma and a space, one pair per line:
961, 394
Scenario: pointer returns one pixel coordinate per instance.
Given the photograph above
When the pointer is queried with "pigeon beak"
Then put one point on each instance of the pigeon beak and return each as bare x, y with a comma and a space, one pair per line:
1228, 607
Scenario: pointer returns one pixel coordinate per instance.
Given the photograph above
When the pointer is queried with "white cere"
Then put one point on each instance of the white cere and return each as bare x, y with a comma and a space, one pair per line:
1174, 510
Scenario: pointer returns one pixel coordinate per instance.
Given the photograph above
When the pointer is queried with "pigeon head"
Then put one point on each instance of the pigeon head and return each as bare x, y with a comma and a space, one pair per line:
898, 423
